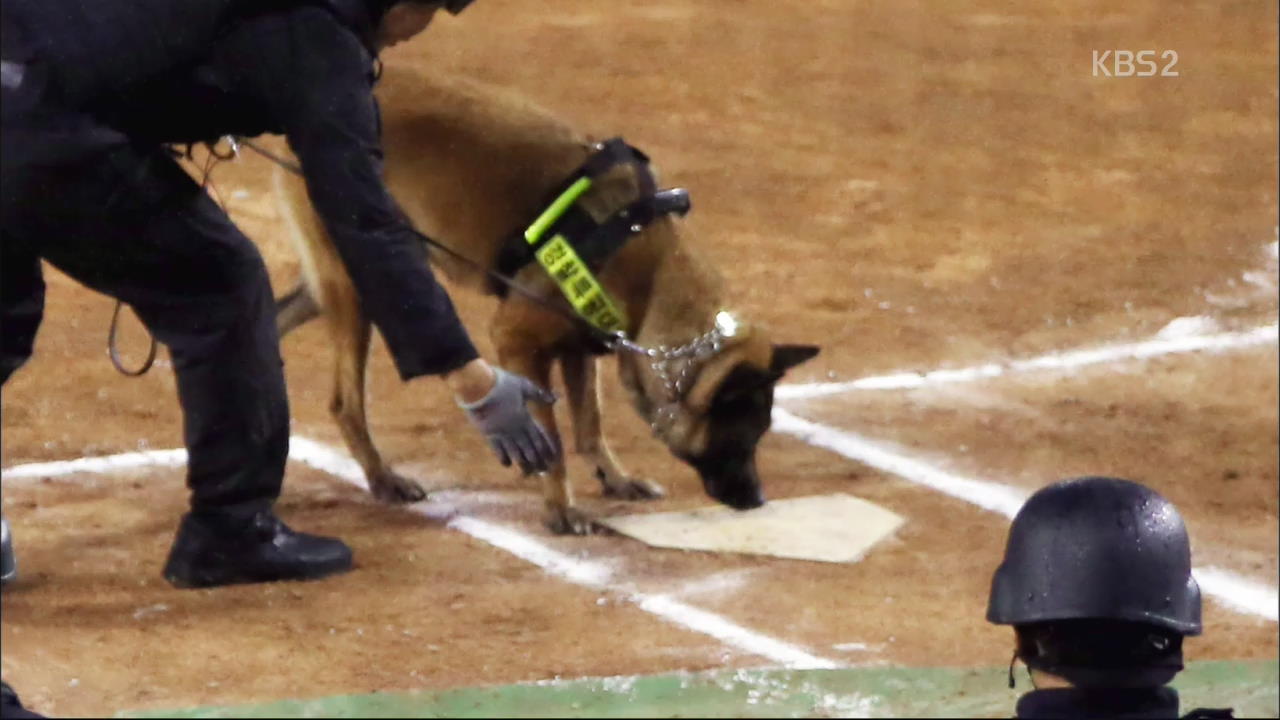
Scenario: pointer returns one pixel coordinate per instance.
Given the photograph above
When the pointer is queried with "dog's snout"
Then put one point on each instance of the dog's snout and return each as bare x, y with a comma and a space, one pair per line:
736, 485
743, 497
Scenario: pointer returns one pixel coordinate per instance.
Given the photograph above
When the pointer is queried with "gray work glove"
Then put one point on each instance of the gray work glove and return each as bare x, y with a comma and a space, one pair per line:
507, 425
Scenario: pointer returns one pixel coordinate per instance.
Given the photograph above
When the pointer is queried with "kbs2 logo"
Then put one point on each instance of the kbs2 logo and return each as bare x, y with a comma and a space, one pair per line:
1126, 63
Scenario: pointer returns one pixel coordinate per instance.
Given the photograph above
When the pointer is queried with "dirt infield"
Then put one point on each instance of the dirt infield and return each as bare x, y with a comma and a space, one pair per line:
910, 185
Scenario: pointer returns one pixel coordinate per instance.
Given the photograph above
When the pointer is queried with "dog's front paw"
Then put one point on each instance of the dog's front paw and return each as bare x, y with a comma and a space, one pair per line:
629, 488
569, 521
396, 489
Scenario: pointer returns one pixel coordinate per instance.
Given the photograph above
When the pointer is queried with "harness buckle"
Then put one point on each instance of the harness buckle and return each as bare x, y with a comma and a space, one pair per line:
674, 200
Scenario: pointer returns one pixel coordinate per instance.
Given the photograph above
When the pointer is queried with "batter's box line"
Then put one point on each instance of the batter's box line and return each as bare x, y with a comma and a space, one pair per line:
1236, 592
1155, 347
590, 573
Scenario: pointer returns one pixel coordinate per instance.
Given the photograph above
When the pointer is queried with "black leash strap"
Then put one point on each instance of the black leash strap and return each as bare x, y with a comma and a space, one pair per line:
114, 353
213, 159
289, 165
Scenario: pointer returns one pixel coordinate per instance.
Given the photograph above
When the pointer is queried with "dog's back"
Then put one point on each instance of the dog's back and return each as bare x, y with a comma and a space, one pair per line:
467, 162
470, 163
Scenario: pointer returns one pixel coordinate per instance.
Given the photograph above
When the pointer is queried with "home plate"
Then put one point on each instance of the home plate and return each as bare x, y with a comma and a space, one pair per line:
828, 528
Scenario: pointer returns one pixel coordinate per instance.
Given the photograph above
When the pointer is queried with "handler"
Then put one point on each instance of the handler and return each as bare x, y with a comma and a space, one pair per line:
92, 92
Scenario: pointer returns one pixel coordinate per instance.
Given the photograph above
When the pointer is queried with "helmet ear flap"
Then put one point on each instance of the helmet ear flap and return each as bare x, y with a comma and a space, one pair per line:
1084, 650
1035, 645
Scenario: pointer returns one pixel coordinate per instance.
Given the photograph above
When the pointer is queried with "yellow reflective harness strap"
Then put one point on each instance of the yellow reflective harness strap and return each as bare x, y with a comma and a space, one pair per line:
579, 285
561, 261
556, 210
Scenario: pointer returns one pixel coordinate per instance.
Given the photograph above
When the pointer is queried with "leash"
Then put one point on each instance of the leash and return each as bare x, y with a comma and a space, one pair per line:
112, 351
676, 366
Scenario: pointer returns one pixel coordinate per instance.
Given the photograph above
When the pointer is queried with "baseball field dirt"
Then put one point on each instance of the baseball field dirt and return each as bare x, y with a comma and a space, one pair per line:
913, 186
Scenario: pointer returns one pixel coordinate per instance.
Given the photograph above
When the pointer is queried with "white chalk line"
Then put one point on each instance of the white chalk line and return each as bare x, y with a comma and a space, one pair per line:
585, 572
588, 573
1001, 499
857, 647
598, 576
1239, 593
721, 583
104, 464
1154, 347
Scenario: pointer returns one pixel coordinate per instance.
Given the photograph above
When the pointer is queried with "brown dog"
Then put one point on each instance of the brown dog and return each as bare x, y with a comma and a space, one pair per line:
469, 165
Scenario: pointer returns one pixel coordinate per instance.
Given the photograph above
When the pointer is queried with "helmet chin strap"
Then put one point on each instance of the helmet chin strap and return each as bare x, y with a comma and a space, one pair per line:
1030, 678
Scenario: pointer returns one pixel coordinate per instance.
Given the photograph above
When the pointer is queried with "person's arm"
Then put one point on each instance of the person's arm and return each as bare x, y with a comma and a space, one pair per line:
313, 76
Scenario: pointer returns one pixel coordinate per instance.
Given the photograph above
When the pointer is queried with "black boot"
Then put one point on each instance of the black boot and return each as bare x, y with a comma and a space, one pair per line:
213, 550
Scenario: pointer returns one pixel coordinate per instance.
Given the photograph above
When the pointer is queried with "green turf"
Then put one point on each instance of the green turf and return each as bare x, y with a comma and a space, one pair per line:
1250, 687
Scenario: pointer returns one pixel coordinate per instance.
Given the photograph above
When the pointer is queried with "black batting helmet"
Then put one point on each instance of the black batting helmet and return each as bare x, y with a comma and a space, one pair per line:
1097, 548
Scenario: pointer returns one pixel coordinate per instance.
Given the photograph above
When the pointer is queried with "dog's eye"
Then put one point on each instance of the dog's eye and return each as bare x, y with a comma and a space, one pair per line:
741, 399
746, 390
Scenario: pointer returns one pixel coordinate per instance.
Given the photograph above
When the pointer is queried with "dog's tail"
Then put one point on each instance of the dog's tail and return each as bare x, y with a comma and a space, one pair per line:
296, 308
301, 304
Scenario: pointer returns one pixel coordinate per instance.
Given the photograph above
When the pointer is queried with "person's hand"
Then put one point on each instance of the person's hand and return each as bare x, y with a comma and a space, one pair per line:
502, 416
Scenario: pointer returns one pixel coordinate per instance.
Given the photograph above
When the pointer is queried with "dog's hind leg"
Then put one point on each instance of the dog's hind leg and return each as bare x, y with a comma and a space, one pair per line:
351, 334
327, 290
581, 380
296, 308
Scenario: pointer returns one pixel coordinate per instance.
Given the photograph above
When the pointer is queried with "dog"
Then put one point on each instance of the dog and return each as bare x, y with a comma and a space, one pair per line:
468, 165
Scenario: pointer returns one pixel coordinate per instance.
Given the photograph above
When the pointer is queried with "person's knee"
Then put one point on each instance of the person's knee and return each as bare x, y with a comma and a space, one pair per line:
242, 278
230, 294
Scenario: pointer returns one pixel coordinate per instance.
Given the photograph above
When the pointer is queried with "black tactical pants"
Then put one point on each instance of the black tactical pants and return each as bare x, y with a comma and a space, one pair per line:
11, 706
128, 222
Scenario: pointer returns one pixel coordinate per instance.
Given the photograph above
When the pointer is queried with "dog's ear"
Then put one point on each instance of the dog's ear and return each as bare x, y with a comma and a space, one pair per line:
786, 357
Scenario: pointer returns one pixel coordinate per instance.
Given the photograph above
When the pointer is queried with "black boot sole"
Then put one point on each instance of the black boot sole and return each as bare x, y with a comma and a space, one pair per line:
207, 577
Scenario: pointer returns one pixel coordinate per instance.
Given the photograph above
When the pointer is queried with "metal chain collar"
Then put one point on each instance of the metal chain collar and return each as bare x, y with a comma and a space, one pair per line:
678, 366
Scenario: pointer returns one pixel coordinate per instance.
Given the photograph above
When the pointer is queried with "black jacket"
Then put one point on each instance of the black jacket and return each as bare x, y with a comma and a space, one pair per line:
1119, 704
175, 71
100, 48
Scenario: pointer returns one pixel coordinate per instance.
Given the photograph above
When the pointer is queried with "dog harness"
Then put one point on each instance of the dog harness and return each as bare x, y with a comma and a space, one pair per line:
572, 247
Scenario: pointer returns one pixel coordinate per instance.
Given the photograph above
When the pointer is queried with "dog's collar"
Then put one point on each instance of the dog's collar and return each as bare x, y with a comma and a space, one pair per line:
678, 367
